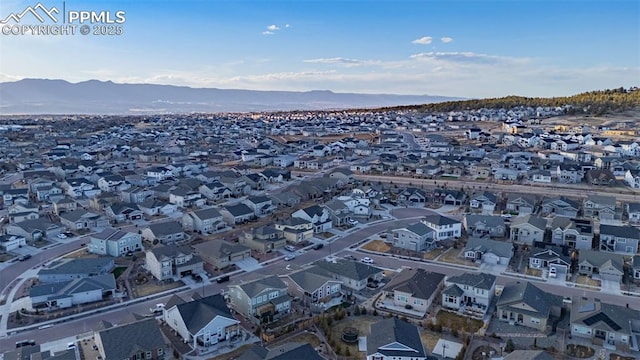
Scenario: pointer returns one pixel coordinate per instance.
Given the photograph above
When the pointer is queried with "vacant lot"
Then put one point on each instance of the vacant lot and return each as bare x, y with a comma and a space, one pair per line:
433, 253
585, 280
305, 337
458, 322
151, 288
429, 339
534, 272
452, 256
377, 246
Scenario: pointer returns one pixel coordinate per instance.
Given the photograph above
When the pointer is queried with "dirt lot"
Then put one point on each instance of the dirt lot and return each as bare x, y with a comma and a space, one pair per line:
452, 320
377, 246
534, 272
429, 339
452, 256
151, 288
585, 280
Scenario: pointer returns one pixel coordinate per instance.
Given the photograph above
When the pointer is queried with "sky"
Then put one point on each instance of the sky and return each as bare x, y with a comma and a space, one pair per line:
456, 48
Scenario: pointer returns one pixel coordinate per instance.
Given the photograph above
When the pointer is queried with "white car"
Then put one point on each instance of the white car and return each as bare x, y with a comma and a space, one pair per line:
367, 260
61, 236
289, 257
353, 222
290, 248
552, 272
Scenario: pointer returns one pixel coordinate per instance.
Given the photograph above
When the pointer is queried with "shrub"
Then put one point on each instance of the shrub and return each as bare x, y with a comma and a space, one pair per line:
509, 347
454, 332
375, 312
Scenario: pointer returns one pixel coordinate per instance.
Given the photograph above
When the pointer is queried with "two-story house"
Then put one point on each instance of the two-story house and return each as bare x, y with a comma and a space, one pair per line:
237, 214
527, 229
353, 275
137, 340
525, 304
165, 262
203, 221
415, 237
317, 215
469, 293
264, 239
574, 233
414, 289
261, 301
443, 227
114, 242
261, 205
619, 239
317, 289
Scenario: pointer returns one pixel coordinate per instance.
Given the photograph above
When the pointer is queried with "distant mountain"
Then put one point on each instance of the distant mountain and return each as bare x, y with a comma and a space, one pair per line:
38, 96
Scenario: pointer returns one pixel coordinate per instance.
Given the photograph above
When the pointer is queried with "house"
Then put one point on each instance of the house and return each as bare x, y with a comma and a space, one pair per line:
469, 293
414, 289
261, 205
113, 182
237, 214
600, 206
165, 262
121, 212
153, 207
619, 239
215, 191
394, 339
443, 227
136, 194
568, 173
611, 326
354, 275
19, 212
34, 230
295, 229
264, 239
185, 198
520, 204
64, 205
413, 196
486, 202
65, 294
484, 250
222, 254
549, 257
261, 301
633, 213
635, 268
286, 199
541, 176
574, 233
114, 242
203, 221
527, 229
449, 197
201, 322
316, 289
80, 187
288, 351
607, 266
80, 219
481, 225
12, 242
339, 212
70, 269
164, 232
317, 215
137, 340
600, 177
415, 237
525, 304
561, 206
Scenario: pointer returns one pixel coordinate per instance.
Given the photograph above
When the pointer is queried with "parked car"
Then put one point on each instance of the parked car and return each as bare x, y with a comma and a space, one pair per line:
61, 236
552, 272
289, 257
22, 343
318, 246
222, 279
353, 222
367, 260
350, 257
290, 248
25, 257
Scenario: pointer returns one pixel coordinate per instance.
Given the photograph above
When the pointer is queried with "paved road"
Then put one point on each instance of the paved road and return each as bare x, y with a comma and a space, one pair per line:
338, 247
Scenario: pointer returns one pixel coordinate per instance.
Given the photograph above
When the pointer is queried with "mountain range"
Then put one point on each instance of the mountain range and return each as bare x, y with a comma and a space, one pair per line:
43, 96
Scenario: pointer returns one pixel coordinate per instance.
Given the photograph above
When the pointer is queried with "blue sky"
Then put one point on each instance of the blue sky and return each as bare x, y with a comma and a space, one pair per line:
456, 48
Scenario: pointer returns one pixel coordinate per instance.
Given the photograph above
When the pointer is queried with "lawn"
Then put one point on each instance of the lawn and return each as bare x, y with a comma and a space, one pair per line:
433, 253
6, 257
454, 321
326, 235
40, 243
361, 323
82, 253
585, 280
429, 339
533, 272
304, 337
377, 246
118, 271
451, 256
151, 288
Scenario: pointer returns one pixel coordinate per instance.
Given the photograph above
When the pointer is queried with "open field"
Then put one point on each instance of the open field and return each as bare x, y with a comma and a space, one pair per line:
454, 321
151, 288
377, 246
452, 256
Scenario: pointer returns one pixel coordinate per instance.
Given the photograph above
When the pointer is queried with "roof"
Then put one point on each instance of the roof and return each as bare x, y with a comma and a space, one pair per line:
419, 229
487, 220
602, 316
122, 342
417, 282
166, 228
198, 313
258, 199
310, 280
391, 331
485, 245
602, 200
601, 258
209, 213
476, 280
439, 220
314, 210
170, 251
628, 232
67, 288
111, 234
530, 219
350, 269
220, 248
77, 266
453, 290
238, 210
527, 293
256, 287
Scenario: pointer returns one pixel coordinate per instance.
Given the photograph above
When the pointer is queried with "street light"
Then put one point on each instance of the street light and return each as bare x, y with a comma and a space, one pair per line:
444, 347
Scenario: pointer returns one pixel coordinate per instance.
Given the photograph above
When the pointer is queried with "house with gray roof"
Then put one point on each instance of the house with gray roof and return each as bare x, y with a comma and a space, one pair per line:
69, 269
485, 201
81, 219
520, 204
165, 262
561, 206
165, 233
114, 242
261, 205
619, 239
395, 339
485, 250
612, 326
633, 212
203, 221
137, 340
481, 225
469, 294
316, 288
264, 239
600, 207
525, 304
415, 237
354, 275
415, 288
606, 265
288, 351
547, 257
202, 322
69, 293
317, 215
261, 301
34, 230
222, 254
237, 214
443, 227
528, 355
572, 232
34, 352
527, 229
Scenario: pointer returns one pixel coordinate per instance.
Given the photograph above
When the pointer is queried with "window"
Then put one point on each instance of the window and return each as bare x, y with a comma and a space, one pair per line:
535, 321
148, 355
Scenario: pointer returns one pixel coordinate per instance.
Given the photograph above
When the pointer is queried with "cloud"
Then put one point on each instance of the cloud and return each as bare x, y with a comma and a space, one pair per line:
267, 32
336, 60
273, 28
446, 39
286, 26
467, 58
425, 40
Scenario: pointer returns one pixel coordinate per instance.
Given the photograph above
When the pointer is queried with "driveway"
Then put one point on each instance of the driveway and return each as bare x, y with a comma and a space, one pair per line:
611, 287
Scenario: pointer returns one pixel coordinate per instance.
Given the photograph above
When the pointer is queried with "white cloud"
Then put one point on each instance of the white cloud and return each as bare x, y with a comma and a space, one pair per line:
267, 32
446, 39
287, 25
425, 40
337, 60
467, 58
273, 28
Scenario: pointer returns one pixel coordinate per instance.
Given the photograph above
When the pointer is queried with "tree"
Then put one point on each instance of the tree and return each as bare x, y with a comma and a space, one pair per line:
509, 347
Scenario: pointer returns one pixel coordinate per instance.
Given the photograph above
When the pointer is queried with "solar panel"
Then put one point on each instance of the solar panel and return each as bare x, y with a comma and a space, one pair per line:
604, 318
